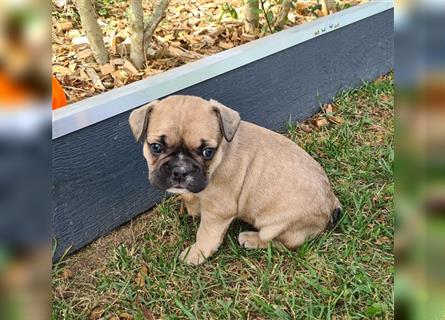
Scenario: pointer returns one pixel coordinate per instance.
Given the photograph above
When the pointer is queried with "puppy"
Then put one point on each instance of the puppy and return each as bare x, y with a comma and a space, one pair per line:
225, 168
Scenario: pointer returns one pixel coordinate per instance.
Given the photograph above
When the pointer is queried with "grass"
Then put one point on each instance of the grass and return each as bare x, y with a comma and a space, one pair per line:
346, 273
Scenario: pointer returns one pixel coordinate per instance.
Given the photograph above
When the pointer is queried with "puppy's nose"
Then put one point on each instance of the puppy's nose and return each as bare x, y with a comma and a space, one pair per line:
179, 173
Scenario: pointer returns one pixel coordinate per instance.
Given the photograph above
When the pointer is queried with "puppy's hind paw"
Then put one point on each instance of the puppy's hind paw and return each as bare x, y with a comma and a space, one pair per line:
251, 240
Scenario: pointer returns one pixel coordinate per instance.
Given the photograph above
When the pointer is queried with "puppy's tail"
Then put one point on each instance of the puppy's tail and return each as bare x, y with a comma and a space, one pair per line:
335, 216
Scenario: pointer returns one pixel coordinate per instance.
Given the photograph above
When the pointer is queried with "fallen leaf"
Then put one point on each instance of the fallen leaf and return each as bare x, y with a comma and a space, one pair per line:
67, 274
140, 278
140, 281
382, 240
336, 119
96, 313
144, 270
125, 316
305, 127
328, 108
320, 122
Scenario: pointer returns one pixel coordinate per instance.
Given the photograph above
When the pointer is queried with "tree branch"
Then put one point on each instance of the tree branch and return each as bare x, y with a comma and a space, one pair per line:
265, 15
158, 15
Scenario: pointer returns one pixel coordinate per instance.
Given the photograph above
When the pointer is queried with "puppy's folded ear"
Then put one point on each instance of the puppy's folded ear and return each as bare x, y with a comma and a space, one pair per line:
139, 120
229, 119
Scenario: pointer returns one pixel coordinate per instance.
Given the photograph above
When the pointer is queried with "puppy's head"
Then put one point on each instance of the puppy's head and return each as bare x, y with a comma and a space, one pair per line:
184, 140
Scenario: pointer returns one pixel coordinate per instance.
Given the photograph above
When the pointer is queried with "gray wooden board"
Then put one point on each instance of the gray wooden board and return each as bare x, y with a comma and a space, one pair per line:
99, 174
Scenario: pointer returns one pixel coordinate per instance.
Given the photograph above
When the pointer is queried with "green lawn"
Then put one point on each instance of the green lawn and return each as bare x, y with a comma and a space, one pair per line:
346, 273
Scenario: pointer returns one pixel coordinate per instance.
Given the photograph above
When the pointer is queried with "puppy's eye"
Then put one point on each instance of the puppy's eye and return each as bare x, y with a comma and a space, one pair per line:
156, 148
208, 153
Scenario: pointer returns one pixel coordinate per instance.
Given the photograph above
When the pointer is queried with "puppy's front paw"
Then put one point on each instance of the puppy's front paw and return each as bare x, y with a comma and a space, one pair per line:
192, 256
251, 240
193, 213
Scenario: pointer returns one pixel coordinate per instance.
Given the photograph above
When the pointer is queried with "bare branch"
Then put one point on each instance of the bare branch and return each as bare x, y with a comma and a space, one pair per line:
158, 15
265, 15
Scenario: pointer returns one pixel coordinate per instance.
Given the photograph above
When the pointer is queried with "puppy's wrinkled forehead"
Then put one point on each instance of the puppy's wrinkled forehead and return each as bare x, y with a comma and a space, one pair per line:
184, 119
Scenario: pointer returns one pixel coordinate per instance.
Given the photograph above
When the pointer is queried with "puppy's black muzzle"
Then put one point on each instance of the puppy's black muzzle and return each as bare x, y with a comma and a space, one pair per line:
180, 171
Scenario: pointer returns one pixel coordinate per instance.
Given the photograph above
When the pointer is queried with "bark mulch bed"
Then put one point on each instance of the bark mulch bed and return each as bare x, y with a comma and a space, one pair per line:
191, 30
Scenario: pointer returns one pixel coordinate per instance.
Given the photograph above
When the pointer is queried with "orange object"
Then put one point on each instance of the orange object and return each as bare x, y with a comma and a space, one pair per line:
12, 94
58, 96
